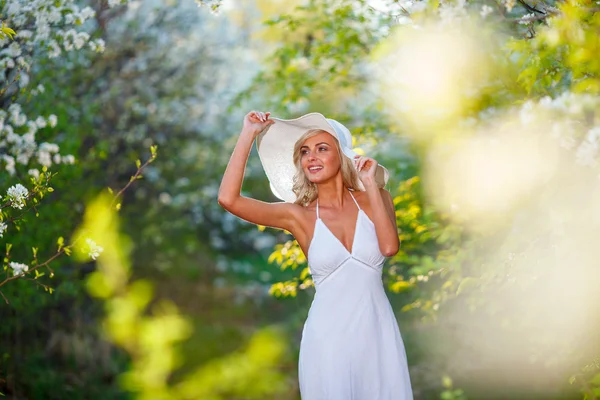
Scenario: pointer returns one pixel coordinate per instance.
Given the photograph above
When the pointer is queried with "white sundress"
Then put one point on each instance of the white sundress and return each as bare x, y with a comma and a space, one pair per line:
351, 347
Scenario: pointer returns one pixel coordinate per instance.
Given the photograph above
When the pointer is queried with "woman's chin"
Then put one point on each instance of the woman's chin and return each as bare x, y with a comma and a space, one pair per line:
317, 179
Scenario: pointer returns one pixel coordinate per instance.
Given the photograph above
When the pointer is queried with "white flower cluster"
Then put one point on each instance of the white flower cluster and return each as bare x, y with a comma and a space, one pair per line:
93, 249
526, 19
3, 228
18, 144
17, 195
44, 28
451, 12
212, 5
567, 112
18, 268
485, 11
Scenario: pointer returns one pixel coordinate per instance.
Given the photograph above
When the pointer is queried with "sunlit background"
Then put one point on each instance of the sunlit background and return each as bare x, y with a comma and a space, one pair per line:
123, 278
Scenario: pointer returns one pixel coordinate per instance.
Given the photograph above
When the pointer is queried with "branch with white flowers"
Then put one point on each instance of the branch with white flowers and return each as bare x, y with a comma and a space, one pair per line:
21, 270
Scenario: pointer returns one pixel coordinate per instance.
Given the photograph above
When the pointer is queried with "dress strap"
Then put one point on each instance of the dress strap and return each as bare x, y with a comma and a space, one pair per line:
355, 202
317, 208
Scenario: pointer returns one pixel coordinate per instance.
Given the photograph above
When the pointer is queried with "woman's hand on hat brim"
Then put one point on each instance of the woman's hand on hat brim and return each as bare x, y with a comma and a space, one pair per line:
366, 167
256, 122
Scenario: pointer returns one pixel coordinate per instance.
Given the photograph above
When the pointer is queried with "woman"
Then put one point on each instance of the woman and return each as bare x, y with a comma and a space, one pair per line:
344, 221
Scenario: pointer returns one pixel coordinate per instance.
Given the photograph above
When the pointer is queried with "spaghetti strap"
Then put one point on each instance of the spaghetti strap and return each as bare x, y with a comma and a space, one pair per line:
317, 208
355, 202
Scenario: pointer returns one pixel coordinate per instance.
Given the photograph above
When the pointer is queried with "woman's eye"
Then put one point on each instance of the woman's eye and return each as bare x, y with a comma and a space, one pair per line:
322, 148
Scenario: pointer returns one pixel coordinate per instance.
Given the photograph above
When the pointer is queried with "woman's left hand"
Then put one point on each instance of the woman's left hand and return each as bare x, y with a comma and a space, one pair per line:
366, 167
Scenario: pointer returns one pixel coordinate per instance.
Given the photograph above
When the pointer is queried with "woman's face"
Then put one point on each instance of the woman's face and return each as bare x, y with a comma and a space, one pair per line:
319, 157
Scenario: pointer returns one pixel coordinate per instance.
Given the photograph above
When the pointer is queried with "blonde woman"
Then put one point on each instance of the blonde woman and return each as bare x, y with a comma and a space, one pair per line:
335, 206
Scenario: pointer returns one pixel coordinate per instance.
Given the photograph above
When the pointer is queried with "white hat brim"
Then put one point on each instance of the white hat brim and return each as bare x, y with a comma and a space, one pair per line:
275, 146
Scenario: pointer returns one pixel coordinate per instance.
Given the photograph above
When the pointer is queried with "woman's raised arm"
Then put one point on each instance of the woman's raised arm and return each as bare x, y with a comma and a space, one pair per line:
278, 215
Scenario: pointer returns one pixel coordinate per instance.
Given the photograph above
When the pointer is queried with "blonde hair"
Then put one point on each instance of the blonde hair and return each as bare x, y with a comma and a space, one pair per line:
303, 188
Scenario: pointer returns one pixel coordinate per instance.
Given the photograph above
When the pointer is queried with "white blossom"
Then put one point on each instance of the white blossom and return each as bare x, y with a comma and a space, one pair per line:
94, 250
32, 127
10, 164
23, 158
18, 268
17, 195
23, 64
40, 122
526, 19
13, 8
485, 11
49, 147
44, 158
24, 34
68, 159
14, 50
88, 13
34, 172
3, 227
24, 80
53, 49
52, 120
98, 45
509, 4
54, 16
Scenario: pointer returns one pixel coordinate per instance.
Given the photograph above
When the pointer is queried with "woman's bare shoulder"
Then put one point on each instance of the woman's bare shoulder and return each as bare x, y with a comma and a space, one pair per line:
302, 212
363, 199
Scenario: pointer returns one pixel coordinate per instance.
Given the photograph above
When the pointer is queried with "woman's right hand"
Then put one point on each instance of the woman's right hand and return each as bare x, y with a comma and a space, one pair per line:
256, 121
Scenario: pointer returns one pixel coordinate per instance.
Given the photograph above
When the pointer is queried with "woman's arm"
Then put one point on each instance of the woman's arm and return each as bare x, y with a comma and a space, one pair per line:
382, 206
278, 215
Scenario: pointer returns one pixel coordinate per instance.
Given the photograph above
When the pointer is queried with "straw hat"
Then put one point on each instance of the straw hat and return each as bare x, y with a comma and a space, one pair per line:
276, 145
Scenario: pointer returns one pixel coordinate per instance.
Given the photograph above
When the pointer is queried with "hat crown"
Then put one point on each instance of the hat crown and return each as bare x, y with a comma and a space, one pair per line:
343, 134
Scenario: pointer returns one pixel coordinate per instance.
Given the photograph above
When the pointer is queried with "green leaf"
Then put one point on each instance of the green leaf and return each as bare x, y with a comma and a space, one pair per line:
304, 273
6, 31
401, 286
447, 381
465, 284
595, 380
